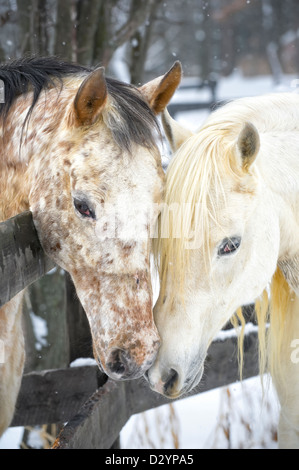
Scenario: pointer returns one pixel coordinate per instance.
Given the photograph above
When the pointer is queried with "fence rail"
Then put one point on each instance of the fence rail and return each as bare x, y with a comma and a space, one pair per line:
175, 107
95, 408
22, 259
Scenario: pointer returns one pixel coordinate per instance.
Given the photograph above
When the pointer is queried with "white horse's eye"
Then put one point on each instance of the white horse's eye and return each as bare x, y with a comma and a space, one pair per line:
229, 245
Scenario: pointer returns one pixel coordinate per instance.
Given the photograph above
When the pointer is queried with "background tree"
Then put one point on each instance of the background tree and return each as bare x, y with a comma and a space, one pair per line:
85, 31
209, 36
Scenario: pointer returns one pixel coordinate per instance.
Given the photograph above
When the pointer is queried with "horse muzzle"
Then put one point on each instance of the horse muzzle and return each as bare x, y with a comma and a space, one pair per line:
171, 381
125, 364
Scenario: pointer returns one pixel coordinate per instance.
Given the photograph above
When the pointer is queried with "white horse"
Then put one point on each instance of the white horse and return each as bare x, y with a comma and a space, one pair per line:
238, 179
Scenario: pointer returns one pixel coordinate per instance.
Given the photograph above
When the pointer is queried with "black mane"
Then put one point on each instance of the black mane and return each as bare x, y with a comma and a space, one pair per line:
38, 73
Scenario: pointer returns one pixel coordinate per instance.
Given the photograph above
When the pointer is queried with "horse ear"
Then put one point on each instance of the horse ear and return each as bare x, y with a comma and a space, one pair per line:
175, 133
248, 145
90, 98
158, 92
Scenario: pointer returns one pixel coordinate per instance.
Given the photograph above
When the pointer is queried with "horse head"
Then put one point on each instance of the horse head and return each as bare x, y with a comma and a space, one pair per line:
226, 251
94, 197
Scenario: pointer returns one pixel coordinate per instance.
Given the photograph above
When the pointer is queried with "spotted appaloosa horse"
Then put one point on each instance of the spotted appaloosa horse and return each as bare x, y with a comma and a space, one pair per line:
74, 143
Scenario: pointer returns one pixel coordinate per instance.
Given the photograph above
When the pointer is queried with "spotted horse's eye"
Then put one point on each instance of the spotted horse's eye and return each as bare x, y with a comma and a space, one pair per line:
229, 245
83, 209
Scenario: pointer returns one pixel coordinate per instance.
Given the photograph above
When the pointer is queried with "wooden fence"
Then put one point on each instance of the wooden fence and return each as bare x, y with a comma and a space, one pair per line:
211, 102
94, 407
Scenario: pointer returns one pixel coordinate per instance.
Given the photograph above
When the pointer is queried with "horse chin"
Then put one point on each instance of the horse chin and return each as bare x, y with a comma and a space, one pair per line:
192, 381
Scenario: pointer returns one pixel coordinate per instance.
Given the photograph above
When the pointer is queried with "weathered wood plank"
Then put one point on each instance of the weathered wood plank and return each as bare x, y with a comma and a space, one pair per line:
102, 417
212, 105
55, 395
78, 329
22, 259
99, 421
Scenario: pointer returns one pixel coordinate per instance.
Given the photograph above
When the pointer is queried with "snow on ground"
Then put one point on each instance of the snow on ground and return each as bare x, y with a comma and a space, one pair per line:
232, 417
12, 438
229, 88
235, 417
235, 86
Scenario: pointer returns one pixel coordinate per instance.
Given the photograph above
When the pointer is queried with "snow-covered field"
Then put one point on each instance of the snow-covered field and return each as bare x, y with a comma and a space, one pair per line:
234, 417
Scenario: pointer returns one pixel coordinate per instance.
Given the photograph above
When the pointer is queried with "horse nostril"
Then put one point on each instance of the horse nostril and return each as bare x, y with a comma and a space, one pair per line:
170, 381
117, 362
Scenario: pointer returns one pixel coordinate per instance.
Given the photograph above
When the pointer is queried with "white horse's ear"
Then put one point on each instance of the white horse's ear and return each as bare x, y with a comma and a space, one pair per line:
90, 98
175, 133
248, 145
158, 92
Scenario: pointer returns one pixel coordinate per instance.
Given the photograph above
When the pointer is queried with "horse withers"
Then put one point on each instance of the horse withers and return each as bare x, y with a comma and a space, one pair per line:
80, 151
236, 182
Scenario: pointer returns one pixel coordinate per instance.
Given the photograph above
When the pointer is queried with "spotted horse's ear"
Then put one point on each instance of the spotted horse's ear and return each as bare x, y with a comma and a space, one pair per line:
158, 92
90, 98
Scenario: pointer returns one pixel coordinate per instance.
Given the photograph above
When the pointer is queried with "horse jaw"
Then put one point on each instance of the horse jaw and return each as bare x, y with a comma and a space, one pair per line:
179, 363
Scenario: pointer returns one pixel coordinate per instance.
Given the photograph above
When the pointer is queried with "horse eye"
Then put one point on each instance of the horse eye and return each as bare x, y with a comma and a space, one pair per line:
83, 209
229, 245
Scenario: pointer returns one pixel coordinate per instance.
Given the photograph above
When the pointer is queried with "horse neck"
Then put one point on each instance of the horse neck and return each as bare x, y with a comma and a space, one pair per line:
21, 147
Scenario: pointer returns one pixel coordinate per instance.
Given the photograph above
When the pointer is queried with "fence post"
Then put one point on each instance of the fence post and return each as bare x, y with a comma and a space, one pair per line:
116, 443
22, 259
79, 336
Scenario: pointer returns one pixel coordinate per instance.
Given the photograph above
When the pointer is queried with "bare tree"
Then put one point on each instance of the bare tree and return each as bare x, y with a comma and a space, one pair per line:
140, 42
87, 31
89, 15
65, 32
